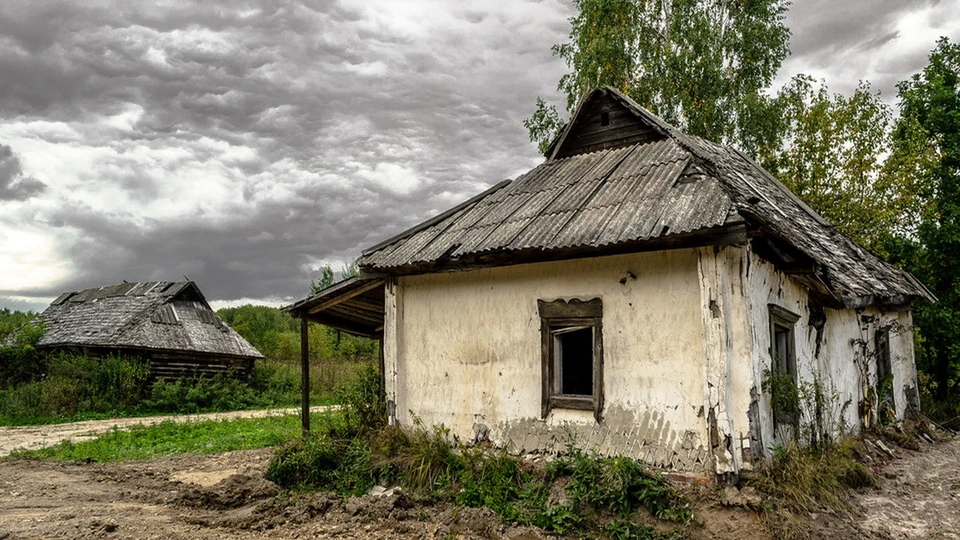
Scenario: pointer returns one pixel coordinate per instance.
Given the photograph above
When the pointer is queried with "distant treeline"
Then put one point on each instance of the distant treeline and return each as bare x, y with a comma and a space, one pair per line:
12, 320
273, 332
277, 335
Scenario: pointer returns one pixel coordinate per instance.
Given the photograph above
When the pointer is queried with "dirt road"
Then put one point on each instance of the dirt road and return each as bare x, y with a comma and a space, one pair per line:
28, 437
225, 496
222, 496
919, 496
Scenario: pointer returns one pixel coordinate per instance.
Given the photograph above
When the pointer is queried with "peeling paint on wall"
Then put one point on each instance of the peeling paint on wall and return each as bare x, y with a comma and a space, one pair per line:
647, 436
686, 341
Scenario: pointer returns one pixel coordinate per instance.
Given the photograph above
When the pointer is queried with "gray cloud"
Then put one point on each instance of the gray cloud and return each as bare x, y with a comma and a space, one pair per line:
845, 42
241, 146
14, 186
327, 128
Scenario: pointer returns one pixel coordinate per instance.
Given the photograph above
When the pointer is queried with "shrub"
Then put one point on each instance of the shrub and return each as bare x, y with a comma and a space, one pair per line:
805, 480
352, 455
361, 401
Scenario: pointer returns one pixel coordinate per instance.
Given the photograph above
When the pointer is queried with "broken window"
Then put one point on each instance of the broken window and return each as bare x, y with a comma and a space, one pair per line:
886, 405
784, 395
572, 352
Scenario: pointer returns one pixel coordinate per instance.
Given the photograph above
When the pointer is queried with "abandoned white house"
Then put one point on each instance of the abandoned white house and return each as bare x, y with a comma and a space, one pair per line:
642, 292
168, 323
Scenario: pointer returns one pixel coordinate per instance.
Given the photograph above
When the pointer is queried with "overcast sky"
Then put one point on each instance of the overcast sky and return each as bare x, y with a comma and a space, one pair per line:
243, 144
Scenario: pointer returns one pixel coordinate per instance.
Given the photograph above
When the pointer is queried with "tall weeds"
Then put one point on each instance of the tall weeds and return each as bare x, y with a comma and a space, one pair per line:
356, 450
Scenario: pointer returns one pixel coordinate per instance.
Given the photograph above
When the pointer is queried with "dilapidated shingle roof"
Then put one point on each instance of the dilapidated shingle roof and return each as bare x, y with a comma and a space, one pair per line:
643, 187
152, 315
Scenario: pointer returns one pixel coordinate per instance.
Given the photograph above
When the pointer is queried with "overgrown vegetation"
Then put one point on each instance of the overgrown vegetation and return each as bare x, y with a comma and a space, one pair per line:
809, 479
38, 388
169, 438
12, 320
578, 493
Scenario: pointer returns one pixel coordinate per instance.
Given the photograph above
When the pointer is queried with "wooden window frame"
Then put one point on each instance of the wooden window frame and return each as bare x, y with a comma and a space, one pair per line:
562, 314
881, 343
784, 319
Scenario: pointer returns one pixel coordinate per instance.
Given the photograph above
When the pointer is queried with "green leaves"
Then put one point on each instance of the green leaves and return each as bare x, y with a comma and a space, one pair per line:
830, 151
699, 64
927, 148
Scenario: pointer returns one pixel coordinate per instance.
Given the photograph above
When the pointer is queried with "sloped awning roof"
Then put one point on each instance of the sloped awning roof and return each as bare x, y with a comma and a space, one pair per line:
354, 305
664, 189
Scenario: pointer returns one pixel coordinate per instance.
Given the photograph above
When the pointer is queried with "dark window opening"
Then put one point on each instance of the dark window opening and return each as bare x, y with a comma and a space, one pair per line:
604, 119
783, 348
884, 368
782, 381
572, 355
886, 405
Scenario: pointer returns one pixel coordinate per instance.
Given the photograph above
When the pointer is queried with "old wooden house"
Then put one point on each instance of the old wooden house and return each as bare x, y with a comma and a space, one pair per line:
168, 323
641, 292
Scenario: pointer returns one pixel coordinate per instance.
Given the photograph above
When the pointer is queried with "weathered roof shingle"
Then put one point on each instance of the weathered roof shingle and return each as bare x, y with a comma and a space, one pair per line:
153, 315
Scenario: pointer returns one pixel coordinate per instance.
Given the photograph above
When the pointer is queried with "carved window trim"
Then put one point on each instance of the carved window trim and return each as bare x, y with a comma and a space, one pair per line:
556, 318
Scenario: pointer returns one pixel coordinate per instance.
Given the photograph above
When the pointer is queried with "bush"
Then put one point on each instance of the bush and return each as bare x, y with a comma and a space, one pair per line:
805, 480
351, 455
22, 363
362, 401
74, 384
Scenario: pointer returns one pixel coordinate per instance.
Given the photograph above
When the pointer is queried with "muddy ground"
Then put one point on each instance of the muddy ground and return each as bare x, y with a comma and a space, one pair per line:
224, 496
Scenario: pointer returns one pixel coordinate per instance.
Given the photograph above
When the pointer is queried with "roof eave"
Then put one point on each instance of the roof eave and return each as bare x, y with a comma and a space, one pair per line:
731, 234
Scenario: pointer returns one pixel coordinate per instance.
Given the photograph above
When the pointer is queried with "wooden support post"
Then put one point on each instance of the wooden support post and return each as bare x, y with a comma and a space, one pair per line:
383, 372
304, 376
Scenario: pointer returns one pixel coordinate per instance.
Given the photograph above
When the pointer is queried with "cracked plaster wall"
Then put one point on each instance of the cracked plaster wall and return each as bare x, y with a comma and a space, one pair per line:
464, 350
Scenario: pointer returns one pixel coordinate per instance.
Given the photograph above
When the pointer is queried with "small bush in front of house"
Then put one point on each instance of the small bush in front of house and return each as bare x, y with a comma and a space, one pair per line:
806, 480
577, 493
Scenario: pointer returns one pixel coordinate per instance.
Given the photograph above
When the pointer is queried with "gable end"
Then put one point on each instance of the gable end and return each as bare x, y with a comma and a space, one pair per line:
602, 123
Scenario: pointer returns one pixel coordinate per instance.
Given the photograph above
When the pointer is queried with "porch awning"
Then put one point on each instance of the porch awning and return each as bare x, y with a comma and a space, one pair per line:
354, 305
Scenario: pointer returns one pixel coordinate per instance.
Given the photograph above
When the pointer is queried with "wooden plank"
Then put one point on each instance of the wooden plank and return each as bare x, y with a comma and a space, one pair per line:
546, 367
572, 402
346, 296
598, 370
305, 376
571, 309
629, 141
349, 308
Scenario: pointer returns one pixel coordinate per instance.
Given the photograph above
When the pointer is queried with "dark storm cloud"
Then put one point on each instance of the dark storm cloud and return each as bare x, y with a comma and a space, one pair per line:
821, 28
358, 126
845, 42
14, 186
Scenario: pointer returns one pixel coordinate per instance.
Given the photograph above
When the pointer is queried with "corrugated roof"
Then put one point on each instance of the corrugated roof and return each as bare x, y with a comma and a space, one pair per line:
590, 199
642, 192
155, 315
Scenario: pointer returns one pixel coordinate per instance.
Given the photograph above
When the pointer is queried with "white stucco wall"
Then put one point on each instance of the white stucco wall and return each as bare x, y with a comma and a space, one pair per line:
845, 366
686, 344
464, 349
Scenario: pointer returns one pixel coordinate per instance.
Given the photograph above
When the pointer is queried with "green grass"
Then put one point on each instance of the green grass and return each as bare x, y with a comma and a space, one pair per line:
170, 439
79, 388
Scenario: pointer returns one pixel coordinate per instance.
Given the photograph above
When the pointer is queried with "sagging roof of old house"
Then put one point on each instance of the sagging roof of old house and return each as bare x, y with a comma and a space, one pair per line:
150, 315
620, 179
